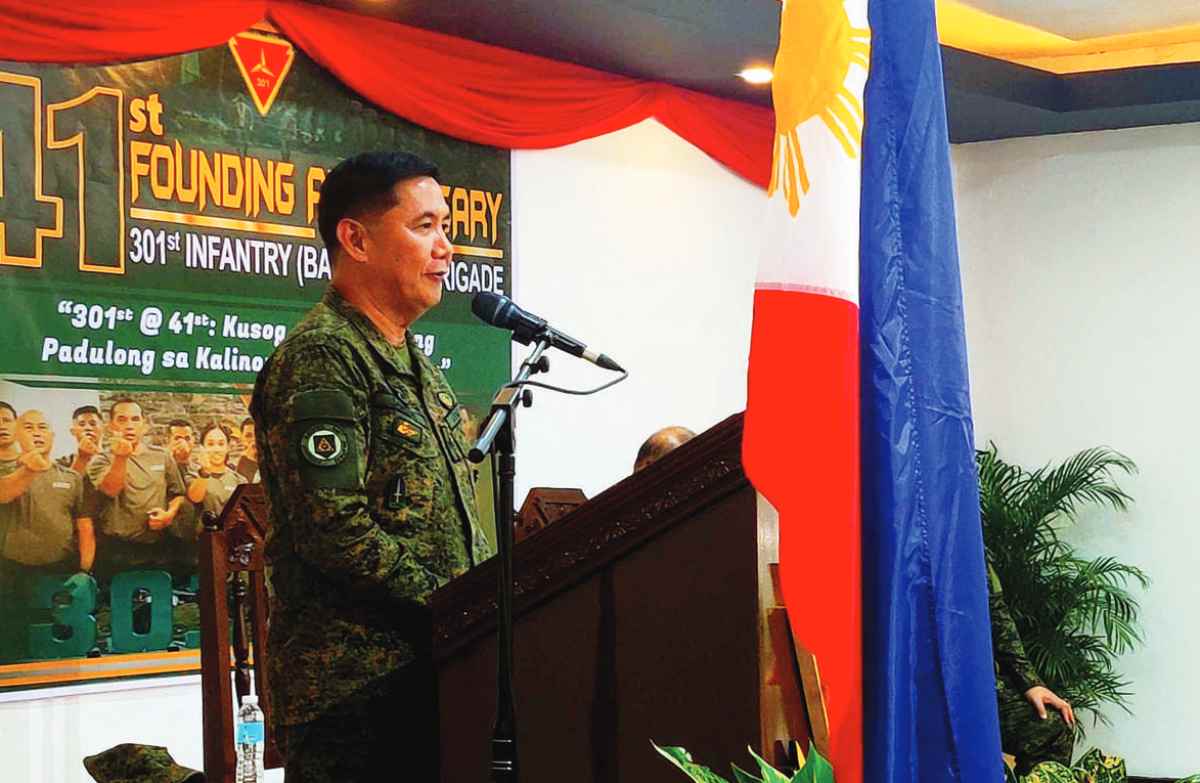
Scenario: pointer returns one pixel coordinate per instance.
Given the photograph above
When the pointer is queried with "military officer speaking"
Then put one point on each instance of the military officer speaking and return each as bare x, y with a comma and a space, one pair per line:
363, 458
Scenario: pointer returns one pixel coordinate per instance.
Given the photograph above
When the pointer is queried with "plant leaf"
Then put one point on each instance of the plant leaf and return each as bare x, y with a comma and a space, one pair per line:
769, 773
682, 759
742, 776
815, 770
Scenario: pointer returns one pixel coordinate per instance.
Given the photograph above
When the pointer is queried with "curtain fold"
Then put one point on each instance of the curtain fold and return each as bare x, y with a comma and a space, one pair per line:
472, 91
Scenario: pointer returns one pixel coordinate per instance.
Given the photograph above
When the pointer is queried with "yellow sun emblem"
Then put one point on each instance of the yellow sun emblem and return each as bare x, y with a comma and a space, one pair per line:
817, 46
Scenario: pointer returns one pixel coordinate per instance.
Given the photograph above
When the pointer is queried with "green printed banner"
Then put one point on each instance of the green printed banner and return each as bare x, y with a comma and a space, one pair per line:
158, 239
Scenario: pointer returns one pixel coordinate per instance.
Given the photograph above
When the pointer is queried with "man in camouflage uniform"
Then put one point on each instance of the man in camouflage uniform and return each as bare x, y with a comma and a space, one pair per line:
372, 499
1027, 730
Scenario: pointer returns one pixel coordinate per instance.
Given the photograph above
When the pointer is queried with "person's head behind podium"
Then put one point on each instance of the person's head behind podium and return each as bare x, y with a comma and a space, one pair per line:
660, 444
384, 220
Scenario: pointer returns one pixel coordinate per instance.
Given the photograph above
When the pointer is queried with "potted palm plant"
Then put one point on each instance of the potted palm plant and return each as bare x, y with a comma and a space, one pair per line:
1075, 616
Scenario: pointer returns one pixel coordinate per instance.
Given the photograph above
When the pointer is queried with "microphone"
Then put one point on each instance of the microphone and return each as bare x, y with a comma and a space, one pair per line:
503, 312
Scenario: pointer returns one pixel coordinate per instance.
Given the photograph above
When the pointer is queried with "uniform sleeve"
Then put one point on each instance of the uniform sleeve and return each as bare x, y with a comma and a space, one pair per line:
98, 467
79, 507
313, 409
1006, 641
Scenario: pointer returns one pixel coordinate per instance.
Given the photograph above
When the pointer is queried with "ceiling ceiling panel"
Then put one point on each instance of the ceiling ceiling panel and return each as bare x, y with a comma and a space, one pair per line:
699, 44
1077, 19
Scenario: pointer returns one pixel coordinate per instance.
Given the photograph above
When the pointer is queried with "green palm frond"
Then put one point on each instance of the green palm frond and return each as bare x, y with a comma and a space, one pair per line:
1075, 616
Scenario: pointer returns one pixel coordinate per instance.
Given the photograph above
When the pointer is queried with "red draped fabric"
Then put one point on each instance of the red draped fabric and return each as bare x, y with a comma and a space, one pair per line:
464, 89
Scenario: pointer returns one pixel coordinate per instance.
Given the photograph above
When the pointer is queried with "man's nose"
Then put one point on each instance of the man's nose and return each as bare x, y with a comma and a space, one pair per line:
443, 246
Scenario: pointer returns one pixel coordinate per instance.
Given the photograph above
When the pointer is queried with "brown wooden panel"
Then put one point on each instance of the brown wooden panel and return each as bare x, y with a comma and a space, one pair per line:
687, 647
645, 614
559, 660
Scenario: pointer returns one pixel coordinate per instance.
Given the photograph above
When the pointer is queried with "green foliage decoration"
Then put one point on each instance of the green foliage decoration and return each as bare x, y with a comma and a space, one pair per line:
815, 768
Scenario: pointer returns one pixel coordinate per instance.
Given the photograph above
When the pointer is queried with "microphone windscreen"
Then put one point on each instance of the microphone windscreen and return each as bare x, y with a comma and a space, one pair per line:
487, 307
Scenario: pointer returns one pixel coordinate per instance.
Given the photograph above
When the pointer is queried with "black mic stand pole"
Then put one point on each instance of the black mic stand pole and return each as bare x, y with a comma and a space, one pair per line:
498, 433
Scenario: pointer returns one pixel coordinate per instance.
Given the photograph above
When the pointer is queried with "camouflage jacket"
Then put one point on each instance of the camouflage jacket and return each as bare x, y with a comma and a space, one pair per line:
1013, 667
372, 505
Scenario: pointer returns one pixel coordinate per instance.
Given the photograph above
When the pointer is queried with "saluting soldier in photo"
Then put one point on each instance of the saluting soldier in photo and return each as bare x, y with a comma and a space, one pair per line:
17, 468
141, 493
181, 444
212, 483
87, 428
247, 465
372, 499
48, 530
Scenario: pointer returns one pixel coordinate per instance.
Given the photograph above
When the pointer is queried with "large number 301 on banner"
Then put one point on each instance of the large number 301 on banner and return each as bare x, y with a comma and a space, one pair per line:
157, 241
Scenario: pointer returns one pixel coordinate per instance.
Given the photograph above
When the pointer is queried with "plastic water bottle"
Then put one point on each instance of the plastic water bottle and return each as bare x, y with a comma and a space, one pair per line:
250, 740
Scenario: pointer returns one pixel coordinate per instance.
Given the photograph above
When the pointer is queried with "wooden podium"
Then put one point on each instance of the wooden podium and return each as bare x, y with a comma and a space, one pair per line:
649, 613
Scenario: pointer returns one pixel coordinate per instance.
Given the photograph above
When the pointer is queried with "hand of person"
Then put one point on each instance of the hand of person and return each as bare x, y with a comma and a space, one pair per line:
88, 446
158, 518
181, 451
35, 461
121, 447
1041, 697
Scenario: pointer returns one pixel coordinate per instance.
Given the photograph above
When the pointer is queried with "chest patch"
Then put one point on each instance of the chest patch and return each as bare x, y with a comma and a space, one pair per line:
323, 445
62, 485
408, 431
396, 494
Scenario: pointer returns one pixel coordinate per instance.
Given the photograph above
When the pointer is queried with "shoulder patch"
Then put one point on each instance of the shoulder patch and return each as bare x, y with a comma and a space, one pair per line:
324, 445
323, 404
324, 436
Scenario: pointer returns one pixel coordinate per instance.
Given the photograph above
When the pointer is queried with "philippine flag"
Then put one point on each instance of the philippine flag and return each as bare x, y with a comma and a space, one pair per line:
860, 270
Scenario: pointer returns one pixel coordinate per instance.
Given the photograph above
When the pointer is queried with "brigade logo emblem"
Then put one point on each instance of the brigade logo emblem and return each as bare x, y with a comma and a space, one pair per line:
264, 61
446, 399
323, 445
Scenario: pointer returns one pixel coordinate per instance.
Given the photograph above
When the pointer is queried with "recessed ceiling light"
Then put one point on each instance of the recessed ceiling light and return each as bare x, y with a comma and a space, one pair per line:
756, 75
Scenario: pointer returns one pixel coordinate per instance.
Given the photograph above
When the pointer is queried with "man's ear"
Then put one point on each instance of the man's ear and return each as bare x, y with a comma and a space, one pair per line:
352, 236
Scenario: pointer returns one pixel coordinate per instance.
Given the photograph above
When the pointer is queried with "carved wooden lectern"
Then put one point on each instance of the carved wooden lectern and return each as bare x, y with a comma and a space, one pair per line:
649, 613
233, 600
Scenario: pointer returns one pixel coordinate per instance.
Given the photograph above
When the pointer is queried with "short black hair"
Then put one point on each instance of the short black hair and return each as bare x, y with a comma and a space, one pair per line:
214, 426
364, 183
82, 409
11, 409
179, 423
112, 409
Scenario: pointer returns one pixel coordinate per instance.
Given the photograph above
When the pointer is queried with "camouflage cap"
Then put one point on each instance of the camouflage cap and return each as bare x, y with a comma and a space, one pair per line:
133, 763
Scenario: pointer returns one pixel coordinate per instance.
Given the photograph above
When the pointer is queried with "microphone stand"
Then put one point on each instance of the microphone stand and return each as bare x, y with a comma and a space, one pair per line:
498, 434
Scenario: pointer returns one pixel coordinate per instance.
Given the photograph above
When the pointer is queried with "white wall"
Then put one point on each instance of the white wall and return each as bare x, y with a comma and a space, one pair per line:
640, 245
1080, 267
635, 242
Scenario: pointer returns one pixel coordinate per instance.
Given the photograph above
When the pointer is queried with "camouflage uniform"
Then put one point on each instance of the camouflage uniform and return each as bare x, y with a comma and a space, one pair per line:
131, 763
372, 508
1022, 732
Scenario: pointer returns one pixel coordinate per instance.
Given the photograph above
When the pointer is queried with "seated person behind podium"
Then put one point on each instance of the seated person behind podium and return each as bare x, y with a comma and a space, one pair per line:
660, 444
372, 499
1027, 730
